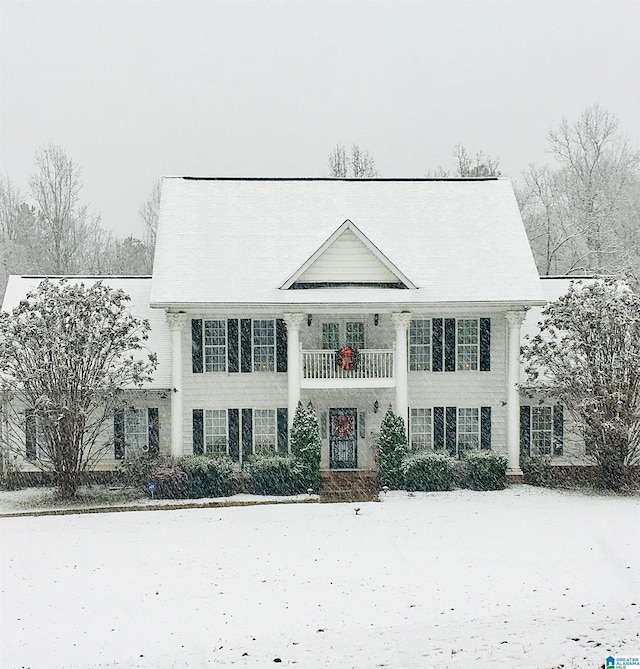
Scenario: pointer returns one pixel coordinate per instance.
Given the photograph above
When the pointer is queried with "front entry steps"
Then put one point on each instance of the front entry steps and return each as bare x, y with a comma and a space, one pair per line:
349, 486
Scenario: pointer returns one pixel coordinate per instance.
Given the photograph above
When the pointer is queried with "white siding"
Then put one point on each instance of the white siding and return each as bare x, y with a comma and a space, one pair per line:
347, 260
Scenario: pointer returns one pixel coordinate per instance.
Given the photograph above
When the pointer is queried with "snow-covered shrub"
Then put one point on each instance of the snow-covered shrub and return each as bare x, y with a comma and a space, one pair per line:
170, 479
208, 475
137, 472
274, 475
392, 447
427, 471
305, 446
536, 470
487, 470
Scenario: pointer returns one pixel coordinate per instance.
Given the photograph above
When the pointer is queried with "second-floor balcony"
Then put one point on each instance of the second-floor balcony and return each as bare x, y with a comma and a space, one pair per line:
372, 368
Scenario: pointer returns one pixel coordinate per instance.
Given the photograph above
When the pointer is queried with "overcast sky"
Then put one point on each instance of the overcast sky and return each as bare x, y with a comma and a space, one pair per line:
134, 90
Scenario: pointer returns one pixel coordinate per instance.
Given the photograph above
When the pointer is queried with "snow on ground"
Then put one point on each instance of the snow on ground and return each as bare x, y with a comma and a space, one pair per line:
520, 578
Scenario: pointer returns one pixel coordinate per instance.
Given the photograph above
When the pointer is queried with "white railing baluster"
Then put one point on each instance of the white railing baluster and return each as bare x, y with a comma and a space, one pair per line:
372, 364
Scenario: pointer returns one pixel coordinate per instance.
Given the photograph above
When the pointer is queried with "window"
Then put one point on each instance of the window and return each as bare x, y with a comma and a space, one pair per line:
467, 344
264, 431
215, 346
215, 431
136, 432
420, 345
420, 428
541, 430
355, 335
330, 336
264, 346
468, 430
34, 435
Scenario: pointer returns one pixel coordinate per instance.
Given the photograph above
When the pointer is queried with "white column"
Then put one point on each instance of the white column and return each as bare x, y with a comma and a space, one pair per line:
401, 321
176, 326
293, 323
514, 321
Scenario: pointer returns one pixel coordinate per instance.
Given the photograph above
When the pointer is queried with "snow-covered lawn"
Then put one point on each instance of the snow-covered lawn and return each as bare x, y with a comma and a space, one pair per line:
519, 578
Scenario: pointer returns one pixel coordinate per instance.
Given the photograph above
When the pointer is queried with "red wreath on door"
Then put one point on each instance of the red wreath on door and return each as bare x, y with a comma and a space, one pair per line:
344, 426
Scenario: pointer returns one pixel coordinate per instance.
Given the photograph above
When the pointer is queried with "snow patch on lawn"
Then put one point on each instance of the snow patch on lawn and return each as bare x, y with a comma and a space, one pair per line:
523, 577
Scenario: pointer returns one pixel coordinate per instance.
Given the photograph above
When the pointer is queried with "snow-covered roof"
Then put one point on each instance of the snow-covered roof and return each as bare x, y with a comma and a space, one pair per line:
238, 241
138, 288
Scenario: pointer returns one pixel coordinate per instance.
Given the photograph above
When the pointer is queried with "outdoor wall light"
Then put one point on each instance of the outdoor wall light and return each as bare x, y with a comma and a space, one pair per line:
376, 318
309, 320
376, 406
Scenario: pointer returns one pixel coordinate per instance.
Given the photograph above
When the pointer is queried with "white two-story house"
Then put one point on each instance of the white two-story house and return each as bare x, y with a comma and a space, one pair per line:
353, 294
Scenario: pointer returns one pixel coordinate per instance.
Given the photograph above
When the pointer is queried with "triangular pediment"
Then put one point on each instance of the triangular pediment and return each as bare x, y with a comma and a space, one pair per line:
348, 258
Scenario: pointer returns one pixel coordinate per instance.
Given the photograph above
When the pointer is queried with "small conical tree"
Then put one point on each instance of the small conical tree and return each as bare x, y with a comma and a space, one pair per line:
392, 447
305, 444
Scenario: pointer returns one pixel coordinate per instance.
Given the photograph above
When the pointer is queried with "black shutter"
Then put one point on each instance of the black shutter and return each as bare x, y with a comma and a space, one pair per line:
31, 434
451, 431
233, 361
525, 430
449, 344
198, 431
281, 345
154, 430
436, 344
485, 344
247, 433
245, 344
438, 427
234, 434
485, 427
283, 431
196, 346
118, 434
558, 429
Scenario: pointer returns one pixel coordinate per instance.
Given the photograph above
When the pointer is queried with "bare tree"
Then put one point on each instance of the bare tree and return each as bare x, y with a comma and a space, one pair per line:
587, 208
149, 212
482, 165
358, 164
64, 221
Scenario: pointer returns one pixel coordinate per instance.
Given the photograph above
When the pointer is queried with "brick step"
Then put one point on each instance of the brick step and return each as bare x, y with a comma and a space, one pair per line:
352, 484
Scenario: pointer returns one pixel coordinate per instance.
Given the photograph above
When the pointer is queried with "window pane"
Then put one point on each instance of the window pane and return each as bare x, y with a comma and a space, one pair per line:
467, 341
468, 429
420, 345
264, 346
215, 431
264, 431
420, 428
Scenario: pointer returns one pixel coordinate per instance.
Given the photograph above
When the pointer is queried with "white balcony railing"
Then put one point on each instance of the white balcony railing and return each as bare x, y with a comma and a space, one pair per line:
372, 364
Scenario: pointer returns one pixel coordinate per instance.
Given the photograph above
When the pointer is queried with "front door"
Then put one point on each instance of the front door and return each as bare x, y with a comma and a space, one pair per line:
343, 438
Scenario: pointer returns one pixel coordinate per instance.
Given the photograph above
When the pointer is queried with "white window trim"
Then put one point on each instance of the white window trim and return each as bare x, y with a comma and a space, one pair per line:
429, 446
254, 346
144, 412
539, 410
459, 346
206, 434
477, 433
428, 346
205, 346
268, 449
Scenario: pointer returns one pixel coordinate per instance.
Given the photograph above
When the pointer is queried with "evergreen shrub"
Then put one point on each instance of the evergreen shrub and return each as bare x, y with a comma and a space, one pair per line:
170, 479
305, 446
208, 475
487, 470
392, 448
427, 471
275, 475
536, 470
